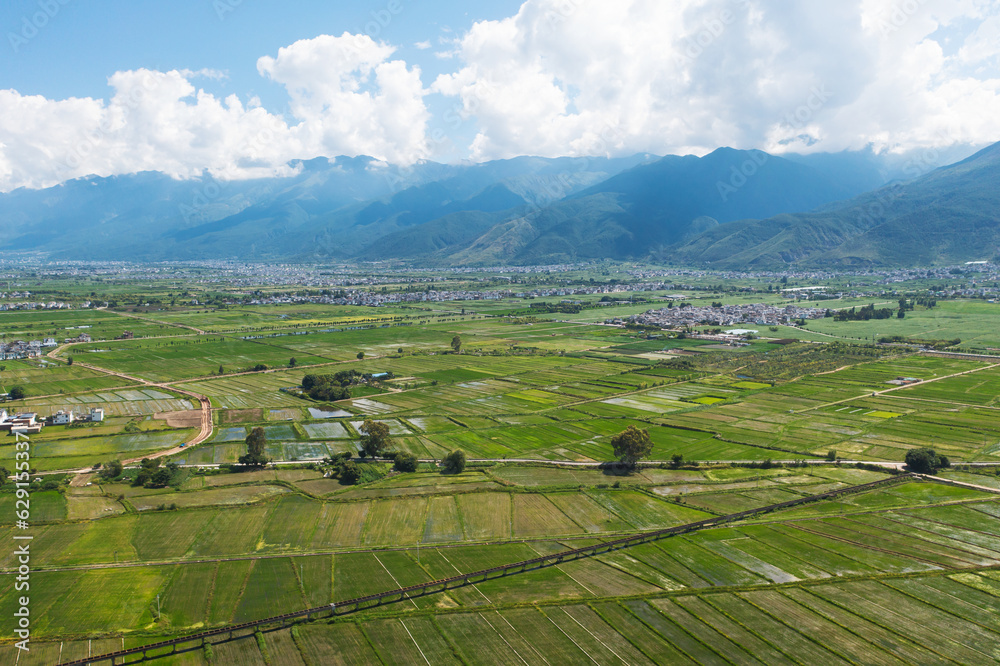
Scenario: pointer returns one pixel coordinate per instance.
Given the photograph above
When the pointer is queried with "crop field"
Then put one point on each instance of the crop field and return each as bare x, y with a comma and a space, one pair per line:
906, 573
971, 321
184, 358
940, 556
100, 325
134, 402
255, 390
45, 378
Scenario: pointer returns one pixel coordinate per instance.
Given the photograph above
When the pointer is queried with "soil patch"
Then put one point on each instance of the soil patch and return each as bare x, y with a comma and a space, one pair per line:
241, 416
190, 418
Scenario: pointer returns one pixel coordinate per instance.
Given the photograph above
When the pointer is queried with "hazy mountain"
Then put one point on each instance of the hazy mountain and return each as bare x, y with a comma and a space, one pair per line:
331, 208
523, 210
948, 216
653, 206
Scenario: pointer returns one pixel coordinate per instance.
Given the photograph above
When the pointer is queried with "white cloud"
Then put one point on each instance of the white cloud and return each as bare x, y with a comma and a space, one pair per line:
347, 97
561, 77
351, 99
572, 77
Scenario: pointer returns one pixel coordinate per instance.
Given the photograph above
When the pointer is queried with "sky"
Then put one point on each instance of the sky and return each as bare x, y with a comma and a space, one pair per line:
241, 88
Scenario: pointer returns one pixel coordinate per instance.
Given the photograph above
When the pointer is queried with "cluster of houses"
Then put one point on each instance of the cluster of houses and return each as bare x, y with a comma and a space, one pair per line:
29, 423
21, 349
51, 305
63, 417
728, 315
22, 424
904, 381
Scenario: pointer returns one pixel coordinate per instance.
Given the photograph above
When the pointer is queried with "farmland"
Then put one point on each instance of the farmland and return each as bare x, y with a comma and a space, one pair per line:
925, 550
906, 572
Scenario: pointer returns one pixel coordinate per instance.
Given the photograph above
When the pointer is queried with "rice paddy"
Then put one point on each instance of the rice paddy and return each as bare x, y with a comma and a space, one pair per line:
905, 573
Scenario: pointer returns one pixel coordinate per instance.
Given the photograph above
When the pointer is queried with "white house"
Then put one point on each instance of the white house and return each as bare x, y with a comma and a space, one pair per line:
96, 414
62, 417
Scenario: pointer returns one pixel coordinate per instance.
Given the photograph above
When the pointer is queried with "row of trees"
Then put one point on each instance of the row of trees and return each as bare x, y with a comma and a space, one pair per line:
330, 388
866, 313
151, 473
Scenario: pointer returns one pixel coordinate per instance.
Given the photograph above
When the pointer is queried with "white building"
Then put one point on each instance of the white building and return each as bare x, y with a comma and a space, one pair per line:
62, 417
97, 414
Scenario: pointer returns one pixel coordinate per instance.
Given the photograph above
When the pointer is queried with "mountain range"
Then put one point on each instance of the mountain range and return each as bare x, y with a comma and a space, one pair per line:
729, 209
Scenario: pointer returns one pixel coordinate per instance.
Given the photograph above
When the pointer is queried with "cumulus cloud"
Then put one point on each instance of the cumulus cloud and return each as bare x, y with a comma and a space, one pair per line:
351, 99
572, 77
347, 97
560, 77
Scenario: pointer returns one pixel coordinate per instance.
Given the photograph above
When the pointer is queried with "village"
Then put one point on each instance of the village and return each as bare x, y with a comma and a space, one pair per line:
21, 349
29, 423
727, 315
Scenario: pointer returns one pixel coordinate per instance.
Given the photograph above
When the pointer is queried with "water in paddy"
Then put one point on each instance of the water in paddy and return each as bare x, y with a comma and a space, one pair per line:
324, 414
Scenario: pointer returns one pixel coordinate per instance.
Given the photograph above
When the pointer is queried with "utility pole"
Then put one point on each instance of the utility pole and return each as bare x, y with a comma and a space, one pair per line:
157, 607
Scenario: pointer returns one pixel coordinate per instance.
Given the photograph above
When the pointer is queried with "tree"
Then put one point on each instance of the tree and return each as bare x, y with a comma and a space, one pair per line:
375, 438
256, 444
291, 362
925, 461
69, 361
4, 473
632, 445
454, 462
349, 473
147, 468
676, 460
161, 478
405, 462
222, 370
112, 470
901, 314
456, 344
361, 356
17, 393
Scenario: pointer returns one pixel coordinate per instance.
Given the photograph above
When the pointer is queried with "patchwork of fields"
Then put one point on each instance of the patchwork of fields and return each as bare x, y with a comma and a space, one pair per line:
906, 574
888, 567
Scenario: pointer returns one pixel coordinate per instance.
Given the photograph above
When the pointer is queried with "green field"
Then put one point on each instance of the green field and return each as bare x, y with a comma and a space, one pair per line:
906, 573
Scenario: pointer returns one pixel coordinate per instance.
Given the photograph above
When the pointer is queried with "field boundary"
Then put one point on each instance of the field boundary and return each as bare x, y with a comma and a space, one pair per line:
350, 606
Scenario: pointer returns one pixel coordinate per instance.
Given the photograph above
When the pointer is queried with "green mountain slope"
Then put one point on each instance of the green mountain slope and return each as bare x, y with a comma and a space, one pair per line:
948, 216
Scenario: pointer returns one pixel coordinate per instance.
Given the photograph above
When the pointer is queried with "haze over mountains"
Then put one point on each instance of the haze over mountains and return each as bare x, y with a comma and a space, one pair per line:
729, 209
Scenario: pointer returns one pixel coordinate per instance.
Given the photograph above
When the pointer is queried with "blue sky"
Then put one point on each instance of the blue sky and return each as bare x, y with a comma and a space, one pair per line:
86, 40
238, 88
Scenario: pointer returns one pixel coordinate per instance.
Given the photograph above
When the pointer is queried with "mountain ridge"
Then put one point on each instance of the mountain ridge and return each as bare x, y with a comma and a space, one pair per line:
730, 208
